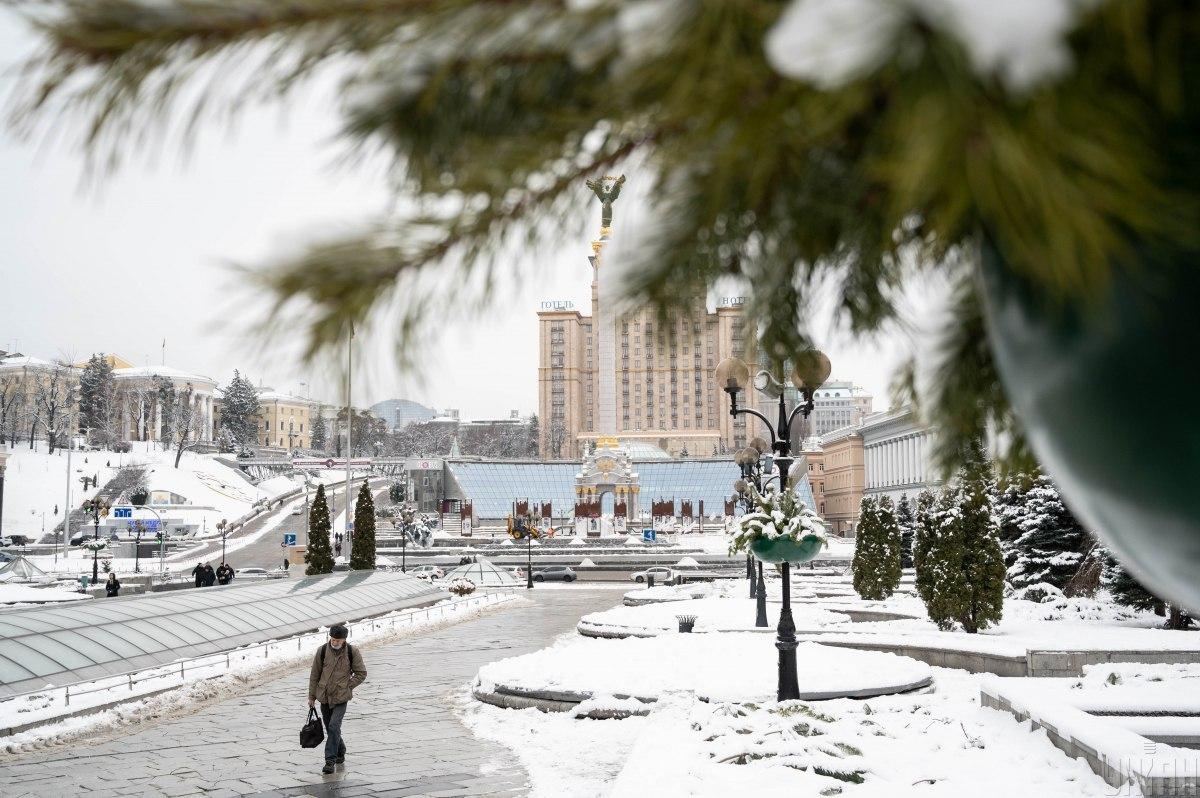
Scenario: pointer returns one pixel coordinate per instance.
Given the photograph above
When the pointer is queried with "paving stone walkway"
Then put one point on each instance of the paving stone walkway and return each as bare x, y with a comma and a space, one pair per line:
401, 734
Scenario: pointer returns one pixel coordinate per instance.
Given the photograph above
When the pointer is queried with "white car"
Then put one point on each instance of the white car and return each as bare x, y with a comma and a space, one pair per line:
660, 574
427, 572
258, 573
298, 509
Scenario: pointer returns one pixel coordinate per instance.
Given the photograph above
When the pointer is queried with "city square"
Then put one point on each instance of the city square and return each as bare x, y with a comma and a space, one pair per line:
598, 399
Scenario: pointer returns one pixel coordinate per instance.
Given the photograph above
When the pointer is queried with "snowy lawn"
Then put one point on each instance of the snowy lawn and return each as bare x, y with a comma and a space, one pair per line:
735, 666
210, 677
31, 594
938, 744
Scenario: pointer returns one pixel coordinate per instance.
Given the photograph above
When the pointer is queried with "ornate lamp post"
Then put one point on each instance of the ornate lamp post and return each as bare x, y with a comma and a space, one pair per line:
750, 461
810, 371
222, 527
97, 509
139, 526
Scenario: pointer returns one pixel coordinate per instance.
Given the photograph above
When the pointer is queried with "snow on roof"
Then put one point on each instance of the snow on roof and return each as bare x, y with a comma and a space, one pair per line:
24, 362
135, 372
268, 395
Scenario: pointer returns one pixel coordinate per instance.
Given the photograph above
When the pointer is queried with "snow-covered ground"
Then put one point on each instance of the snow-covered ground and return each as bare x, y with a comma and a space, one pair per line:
712, 614
941, 742
208, 677
35, 484
18, 594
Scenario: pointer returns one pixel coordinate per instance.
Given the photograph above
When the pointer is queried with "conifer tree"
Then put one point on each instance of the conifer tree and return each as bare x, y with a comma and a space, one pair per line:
239, 410
906, 519
876, 561
960, 565
319, 432
362, 550
1050, 542
97, 399
924, 531
1127, 590
318, 556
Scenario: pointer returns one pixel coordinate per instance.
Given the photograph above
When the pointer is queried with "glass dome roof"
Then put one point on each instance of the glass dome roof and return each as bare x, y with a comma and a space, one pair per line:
483, 573
103, 637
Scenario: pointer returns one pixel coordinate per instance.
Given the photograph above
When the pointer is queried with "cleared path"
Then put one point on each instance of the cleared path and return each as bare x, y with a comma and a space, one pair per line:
402, 736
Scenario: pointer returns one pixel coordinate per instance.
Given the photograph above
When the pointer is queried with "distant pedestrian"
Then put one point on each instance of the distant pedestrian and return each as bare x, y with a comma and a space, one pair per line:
337, 549
210, 576
224, 573
198, 573
83, 583
112, 587
337, 669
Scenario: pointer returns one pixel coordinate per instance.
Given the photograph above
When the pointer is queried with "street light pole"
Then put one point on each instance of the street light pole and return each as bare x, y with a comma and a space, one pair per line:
810, 371
349, 425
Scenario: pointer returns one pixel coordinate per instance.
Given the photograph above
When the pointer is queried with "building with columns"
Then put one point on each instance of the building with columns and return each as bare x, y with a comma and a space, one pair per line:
897, 455
137, 389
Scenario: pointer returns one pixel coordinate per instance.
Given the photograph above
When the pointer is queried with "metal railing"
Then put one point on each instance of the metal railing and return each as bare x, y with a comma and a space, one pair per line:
226, 661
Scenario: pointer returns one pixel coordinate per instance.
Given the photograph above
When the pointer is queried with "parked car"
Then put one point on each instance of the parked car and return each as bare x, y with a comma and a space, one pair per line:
14, 540
78, 538
298, 509
679, 576
660, 574
562, 573
259, 573
427, 572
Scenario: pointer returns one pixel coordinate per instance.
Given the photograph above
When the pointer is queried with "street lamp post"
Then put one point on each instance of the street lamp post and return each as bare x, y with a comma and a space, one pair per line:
97, 508
811, 369
139, 526
223, 528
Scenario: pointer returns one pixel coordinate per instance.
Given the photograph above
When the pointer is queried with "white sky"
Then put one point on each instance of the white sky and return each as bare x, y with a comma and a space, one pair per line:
143, 257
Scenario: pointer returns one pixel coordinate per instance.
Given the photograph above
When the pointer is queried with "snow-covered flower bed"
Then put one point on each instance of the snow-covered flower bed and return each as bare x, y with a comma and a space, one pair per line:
735, 666
461, 586
712, 615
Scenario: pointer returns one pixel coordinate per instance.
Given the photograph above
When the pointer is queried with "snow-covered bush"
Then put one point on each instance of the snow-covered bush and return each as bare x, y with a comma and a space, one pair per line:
960, 567
877, 549
94, 544
773, 515
462, 587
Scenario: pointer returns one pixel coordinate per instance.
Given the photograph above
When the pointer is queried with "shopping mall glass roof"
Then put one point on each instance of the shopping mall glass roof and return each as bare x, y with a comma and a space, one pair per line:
103, 637
483, 573
493, 486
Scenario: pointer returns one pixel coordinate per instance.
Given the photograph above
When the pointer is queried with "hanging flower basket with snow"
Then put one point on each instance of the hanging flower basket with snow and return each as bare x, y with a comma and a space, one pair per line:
779, 528
95, 544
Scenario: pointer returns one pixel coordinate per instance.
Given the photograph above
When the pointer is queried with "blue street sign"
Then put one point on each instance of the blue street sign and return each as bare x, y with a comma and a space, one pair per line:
152, 524
122, 512
350, 527
649, 534
289, 538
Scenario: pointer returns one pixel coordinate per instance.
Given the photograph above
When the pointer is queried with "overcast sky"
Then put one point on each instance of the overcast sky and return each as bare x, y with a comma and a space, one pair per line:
144, 257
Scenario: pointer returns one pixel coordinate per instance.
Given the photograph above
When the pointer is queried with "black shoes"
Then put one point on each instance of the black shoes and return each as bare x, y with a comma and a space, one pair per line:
341, 760
328, 767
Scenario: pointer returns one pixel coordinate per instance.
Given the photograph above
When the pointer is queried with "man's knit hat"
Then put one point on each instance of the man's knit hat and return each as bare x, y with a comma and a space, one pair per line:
339, 631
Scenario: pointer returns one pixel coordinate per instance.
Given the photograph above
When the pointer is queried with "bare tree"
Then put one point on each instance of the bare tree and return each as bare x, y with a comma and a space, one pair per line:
187, 421
12, 400
53, 403
166, 399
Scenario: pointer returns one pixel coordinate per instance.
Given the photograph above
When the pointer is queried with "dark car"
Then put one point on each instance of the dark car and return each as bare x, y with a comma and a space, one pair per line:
561, 573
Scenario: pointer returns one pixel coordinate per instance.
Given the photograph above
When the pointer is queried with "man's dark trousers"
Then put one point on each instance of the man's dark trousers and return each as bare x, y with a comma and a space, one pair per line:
332, 715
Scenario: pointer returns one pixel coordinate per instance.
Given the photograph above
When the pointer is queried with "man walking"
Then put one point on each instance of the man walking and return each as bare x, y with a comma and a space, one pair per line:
337, 669
224, 573
198, 573
210, 576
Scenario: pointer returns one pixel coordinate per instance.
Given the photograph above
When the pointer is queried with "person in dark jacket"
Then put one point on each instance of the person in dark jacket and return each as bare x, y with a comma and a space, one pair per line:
210, 576
112, 587
337, 669
224, 573
198, 573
